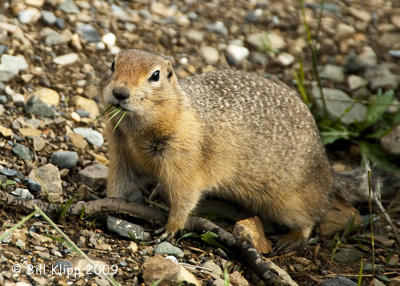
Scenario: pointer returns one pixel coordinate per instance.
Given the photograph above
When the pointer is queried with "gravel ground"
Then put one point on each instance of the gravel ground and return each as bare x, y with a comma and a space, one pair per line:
53, 54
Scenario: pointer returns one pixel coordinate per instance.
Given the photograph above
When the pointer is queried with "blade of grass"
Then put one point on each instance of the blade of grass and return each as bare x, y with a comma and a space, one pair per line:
21, 222
368, 167
74, 246
103, 112
360, 274
115, 114
119, 121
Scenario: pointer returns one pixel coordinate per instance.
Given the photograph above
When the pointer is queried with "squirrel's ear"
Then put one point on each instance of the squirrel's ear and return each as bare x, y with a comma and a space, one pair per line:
170, 70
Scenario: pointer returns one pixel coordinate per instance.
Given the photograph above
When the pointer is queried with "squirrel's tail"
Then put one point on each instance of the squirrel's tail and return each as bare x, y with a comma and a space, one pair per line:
353, 187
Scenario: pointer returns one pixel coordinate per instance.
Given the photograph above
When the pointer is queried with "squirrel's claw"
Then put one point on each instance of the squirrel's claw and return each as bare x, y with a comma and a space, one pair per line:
165, 236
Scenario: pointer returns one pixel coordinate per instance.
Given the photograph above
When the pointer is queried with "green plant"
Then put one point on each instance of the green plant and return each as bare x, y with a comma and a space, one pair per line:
208, 237
377, 124
226, 273
6, 183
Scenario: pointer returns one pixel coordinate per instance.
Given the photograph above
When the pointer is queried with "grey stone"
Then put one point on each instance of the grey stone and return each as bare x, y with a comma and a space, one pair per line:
64, 159
48, 177
348, 254
195, 35
167, 248
88, 33
217, 27
355, 82
82, 113
18, 99
253, 16
390, 39
36, 106
210, 54
8, 172
66, 59
49, 17
3, 99
235, 54
337, 102
55, 38
391, 142
214, 270
339, 281
381, 77
266, 41
22, 151
10, 66
3, 49
123, 228
368, 57
69, 6
91, 135
93, 176
33, 186
285, 59
29, 16
395, 53
22, 194
332, 72
257, 58
60, 23
122, 14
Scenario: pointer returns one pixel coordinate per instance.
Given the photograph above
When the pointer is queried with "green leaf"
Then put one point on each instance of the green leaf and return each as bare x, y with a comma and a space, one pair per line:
209, 238
377, 106
383, 277
377, 156
188, 235
339, 131
10, 182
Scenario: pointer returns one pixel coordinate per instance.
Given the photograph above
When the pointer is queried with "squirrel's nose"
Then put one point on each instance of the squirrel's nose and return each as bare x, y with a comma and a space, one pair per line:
120, 93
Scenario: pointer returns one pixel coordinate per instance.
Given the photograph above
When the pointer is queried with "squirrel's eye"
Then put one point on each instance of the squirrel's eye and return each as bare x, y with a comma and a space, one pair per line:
113, 66
155, 76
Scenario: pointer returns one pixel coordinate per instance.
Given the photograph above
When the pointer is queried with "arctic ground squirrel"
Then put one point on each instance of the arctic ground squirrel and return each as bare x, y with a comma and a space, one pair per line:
231, 134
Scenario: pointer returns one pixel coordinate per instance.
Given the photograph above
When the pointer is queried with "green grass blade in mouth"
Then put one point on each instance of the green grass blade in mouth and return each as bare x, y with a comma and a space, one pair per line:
104, 111
115, 112
120, 120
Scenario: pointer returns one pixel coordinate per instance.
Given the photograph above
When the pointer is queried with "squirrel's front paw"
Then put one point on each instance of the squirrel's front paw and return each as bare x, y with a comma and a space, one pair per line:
165, 235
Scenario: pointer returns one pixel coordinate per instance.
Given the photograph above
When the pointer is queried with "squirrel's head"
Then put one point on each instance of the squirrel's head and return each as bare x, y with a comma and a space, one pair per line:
140, 83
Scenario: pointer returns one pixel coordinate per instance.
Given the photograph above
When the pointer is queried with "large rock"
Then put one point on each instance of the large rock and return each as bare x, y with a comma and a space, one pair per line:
64, 159
88, 105
36, 106
266, 41
22, 151
337, 102
94, 176
124, 228
10, 66
167, 248
381, 77
91, 135
168, 272
48, 177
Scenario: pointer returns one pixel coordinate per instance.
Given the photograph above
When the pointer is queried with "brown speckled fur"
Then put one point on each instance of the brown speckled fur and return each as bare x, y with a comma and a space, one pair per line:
229, 133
